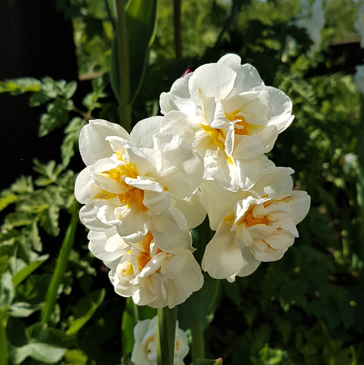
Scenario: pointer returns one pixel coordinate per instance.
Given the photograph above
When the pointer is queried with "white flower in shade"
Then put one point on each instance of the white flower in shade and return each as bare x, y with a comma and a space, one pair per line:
359, 78
312, 18
359, 25
145, 347
135, 188
230, 116
252, 226
150, 275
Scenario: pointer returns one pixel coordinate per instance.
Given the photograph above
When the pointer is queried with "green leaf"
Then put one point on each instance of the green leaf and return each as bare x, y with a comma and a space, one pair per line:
70, 141
125, 360
130, 319
141, 20
49, 220
47, 345
85, 309
22, 274
7, 290
70, 89
49, 171
38, 98
74, 357
4, 260
7, 200
23, 309
56, 116
20, 86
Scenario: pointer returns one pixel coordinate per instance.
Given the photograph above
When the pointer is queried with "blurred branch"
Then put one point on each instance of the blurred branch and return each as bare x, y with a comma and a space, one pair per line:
177, 28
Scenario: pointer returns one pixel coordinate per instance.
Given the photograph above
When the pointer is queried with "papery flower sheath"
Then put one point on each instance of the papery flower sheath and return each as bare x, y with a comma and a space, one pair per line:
230, 116
150, 275
145, 347
133, 183
252, 226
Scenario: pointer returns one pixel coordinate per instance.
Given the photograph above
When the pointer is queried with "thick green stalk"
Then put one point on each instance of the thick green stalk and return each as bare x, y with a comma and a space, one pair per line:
166, 335
61, 266
123, 56
3, 345
198, 343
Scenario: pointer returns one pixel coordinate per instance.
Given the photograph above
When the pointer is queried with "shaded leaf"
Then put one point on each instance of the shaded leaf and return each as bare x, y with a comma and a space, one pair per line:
22, 274
84, 310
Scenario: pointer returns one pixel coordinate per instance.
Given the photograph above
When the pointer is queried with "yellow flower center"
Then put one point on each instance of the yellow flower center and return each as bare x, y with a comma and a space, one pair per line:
131, 194
144, 256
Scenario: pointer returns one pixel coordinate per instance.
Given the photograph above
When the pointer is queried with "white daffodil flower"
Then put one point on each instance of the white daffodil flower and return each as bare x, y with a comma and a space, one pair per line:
252, 226
359, 78
312, 18
150, 275
230, 116
135, 188
145, 347
359, 25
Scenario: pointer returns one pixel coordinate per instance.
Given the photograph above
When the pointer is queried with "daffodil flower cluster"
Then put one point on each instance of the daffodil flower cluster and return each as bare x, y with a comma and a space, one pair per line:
145, 347
144, 192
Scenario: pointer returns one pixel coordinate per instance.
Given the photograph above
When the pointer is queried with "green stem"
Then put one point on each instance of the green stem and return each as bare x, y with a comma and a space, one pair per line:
198, 343
61, 266
123, 57
3, 345
166, 335
177, 28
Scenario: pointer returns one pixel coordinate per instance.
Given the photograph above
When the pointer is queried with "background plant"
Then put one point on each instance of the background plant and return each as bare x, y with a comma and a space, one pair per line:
304, 309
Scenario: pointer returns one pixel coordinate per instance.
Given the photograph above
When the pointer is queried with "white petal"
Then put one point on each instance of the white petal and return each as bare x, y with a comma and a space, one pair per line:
98, 241
217, 201
143, 132
82, 186
88, 217
268, 137
299, 206
281, 112
157, 202
247, 75
192, 210
249, 147
92, 143
250, 263
222, 258
174, 267
180, 124
144, 183
134, 223
249, 171
182, 169
166, 232
211, 80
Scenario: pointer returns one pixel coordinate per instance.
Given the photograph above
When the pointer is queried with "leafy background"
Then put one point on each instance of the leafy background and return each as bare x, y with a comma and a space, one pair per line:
304, 309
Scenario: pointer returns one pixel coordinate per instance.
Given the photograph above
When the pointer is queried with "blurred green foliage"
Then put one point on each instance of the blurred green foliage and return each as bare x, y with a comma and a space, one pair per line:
304, 309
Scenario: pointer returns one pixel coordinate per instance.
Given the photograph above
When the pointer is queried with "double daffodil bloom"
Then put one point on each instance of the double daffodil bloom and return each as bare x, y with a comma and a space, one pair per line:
150, 275
145, 347
231, 118
252, 226
138, 189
